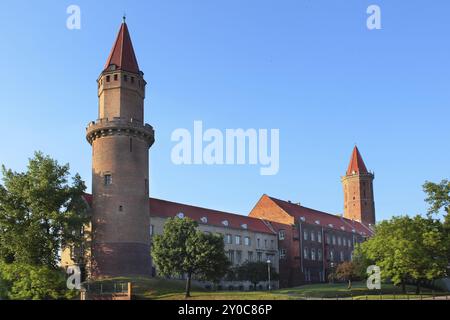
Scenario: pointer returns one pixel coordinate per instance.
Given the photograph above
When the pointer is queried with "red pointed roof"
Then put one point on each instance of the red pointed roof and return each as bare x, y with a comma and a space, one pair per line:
122, 53
356, 163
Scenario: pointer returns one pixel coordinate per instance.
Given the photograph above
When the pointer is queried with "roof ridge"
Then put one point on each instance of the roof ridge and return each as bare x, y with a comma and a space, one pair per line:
308, 208
204, 208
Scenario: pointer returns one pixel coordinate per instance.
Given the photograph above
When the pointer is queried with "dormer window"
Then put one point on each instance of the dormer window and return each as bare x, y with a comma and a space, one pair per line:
302, 219
244, 226
317, 222
330, 225
343, 228
225, 223
204, 220
180, 215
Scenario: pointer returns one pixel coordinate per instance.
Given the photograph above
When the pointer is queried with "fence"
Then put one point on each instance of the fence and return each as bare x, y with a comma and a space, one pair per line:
107, 291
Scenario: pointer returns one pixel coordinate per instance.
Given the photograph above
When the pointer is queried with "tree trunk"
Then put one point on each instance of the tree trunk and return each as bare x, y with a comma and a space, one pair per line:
418, 287
188, 285
349, 284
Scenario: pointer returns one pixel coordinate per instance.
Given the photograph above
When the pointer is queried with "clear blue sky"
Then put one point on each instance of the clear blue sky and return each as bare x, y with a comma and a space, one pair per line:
308, 67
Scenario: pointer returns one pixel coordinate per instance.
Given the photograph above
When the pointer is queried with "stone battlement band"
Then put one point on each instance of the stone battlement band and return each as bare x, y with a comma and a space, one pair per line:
119, 126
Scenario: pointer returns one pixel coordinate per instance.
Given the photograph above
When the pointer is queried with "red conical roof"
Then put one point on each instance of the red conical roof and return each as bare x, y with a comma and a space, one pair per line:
356, 163
122, 53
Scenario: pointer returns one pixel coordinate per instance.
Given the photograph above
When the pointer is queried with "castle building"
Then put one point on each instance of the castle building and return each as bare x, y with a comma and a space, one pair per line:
304, 245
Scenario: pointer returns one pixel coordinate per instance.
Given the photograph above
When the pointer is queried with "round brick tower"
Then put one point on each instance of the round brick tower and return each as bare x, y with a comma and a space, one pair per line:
120, 168
359, 201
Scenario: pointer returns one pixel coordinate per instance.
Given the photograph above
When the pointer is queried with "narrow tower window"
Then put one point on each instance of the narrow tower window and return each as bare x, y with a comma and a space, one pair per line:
108, 78
115, 77
108, 179
132, 79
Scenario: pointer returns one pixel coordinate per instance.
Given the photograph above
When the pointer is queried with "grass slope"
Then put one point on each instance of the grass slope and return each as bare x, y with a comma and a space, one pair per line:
162, 289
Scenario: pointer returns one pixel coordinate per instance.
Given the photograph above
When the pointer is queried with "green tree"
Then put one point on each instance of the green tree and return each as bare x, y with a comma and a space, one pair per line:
347, 271
182, 249
255, 272
23, 281
40, 212
438, 196
408, 249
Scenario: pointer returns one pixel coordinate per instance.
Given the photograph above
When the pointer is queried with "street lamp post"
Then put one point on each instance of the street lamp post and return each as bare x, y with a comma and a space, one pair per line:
332, 271
268, 272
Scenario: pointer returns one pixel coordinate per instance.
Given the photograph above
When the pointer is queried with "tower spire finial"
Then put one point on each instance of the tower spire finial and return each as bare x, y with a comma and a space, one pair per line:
124, 17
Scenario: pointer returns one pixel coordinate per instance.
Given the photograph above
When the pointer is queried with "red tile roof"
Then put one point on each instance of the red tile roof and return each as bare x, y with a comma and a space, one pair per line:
122, 53
319, 218
356, 163
166, 209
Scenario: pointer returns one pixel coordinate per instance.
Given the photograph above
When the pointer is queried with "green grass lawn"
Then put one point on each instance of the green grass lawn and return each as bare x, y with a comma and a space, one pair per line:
162, 289
358, 291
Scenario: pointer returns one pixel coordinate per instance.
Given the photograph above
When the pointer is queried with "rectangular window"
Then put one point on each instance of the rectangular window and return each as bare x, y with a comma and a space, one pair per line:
342, 256
272, 244
331, 255
108, 179
334, 240
319, 254
238, 257
132, 79
250, 256
228, 239
305, 235
231, 256
108, 78
282, 253
265, 243
313, 236
258, 241
327, 239
319, 237
259, 257
313, 254
306, 253
237, 240
115, 77
152, 230
281, 235
247, 241
339, 241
